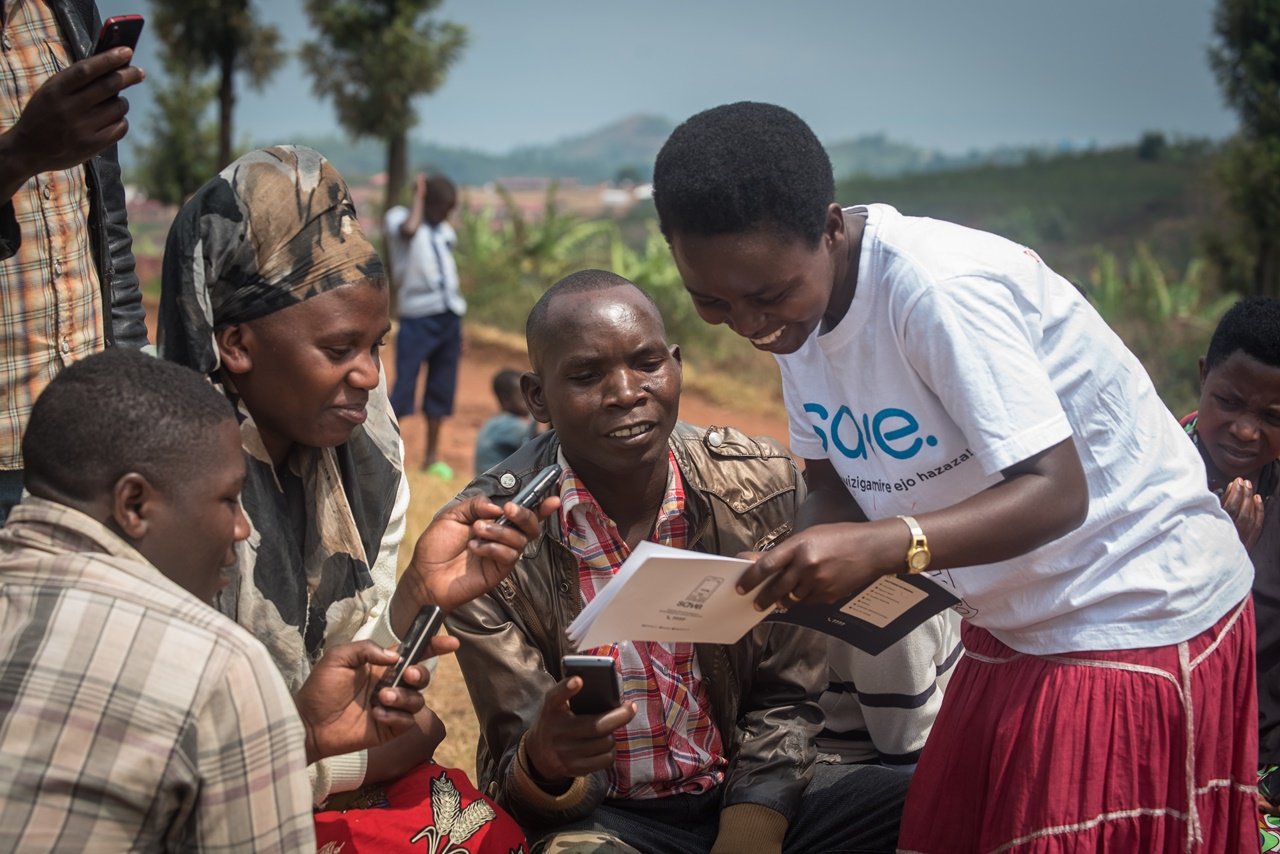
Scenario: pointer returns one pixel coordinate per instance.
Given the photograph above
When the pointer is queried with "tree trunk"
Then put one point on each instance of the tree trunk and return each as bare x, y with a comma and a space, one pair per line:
397, 158
397, 165
226, 105
1266, 268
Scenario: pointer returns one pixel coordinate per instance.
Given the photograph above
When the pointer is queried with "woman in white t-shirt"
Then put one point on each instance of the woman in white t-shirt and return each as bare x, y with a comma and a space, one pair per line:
962, 410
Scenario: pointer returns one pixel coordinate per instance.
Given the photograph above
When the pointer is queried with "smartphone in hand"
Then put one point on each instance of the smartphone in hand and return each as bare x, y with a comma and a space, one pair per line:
119, 31
600, 692
535, 490
416, 642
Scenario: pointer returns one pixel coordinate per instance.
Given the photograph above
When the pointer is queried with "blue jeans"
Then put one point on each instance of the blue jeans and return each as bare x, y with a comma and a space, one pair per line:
846, 808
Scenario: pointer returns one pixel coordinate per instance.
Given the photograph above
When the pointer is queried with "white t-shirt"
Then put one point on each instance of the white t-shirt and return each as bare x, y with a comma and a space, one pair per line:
424, 267
963, 354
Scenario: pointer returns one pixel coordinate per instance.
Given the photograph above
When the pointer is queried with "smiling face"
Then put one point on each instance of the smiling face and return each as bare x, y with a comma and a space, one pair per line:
608, 382
770, 288
1239, 421
305, 372
193, 523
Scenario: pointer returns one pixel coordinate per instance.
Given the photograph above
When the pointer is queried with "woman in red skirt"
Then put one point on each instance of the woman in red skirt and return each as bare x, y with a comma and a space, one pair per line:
962, 410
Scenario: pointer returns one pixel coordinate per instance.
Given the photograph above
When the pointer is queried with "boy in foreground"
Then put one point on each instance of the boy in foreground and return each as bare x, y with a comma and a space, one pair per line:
134, 716
711, 748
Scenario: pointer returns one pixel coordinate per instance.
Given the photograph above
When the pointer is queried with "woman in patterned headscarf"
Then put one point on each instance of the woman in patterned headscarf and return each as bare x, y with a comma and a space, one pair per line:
271, 288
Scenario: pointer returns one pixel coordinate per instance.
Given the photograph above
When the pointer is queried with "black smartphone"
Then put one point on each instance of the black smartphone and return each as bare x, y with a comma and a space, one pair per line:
600, 692
120, 31
534, 491
416, 642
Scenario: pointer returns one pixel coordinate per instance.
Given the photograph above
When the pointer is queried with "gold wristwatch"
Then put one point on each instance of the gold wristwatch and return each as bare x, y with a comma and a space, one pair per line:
918, 555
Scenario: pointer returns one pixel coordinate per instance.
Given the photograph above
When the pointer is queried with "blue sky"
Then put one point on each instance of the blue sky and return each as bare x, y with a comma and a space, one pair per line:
938, 73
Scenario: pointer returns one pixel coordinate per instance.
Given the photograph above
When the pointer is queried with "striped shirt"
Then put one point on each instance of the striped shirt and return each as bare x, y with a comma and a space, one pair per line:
132, 715
880, 708
672, 745
51, 311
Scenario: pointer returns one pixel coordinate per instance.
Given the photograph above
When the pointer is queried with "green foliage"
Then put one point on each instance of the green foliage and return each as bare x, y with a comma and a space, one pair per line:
219, 35
202, 34
373, 57
508, 259
181, 153
1167, 324
1245, 57
1151, 145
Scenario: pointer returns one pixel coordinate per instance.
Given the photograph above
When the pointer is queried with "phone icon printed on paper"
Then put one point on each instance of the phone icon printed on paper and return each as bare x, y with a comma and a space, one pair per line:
705, 588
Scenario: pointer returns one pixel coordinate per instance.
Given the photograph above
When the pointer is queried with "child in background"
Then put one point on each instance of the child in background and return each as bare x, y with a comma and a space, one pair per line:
431, 307
503, 434
1237, 430
962, 409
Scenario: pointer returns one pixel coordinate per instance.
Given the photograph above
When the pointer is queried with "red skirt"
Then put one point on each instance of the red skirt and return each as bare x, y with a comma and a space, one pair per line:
432, 809
1143, 750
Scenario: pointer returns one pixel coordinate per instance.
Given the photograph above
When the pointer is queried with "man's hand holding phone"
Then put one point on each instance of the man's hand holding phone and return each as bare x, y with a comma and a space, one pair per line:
562, 745
470, 547
73, 116
345, 706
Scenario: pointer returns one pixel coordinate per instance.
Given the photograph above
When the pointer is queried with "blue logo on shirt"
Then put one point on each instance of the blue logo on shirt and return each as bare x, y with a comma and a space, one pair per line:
892, 430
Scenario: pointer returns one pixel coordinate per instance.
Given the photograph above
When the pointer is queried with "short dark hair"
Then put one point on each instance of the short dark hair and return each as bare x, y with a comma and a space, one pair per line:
439, 185
537, 334
740, 168
506, 383
1251, 326
117, 412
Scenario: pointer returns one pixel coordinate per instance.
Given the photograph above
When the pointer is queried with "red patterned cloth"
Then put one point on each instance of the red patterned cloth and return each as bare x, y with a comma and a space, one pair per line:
431, 809
1151, 750
672, 745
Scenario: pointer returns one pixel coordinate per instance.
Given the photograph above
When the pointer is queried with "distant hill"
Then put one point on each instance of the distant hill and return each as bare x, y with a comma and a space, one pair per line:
1064, 206
628, 145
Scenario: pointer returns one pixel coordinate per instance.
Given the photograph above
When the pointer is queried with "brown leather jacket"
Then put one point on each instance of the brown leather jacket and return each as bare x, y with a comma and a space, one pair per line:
742, 495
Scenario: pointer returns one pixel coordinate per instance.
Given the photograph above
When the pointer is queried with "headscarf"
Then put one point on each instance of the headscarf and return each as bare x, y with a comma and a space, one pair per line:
275, 228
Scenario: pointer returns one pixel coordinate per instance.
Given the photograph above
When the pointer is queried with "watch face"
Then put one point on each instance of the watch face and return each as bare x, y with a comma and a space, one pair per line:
919, 560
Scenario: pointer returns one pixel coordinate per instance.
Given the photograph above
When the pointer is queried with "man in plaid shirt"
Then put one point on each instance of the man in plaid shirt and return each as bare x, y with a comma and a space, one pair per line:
67, 281
712, 746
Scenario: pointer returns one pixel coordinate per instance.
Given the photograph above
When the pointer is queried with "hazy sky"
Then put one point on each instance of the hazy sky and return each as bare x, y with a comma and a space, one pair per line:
946, 74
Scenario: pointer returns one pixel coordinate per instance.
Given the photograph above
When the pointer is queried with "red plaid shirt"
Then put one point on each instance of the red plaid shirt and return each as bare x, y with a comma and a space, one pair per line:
672, 745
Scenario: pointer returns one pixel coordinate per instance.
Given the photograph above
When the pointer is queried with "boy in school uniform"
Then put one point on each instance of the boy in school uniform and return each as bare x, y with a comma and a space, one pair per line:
430, 306
962, 410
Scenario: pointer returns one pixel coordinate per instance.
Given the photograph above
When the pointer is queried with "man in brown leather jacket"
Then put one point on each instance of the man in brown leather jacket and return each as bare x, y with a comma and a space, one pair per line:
712, 747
